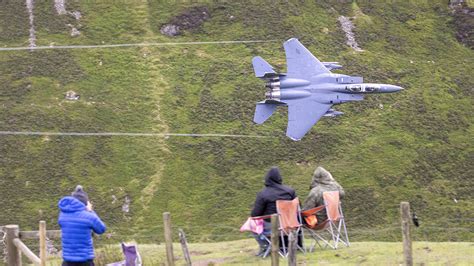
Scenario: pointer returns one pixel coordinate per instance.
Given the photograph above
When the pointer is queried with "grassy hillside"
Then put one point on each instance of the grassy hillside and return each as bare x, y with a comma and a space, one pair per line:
240, 252
415, 145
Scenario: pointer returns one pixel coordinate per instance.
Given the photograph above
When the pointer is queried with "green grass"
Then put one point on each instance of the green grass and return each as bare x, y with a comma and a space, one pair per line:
241, 252
411, 146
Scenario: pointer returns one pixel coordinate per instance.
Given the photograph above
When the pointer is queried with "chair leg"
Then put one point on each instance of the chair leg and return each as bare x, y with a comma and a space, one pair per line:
284, 250
345, 232
265, 254
317, 238
346, 242
269, 247
302, 248
331, 231
338, 237
313, 241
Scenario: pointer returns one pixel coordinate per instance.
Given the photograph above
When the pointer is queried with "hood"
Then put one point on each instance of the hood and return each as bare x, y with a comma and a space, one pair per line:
273, 177
321, 177
71, 204
80, 194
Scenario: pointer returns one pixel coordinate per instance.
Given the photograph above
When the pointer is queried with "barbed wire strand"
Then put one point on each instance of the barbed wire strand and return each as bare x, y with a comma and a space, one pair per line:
126, 134
96, 46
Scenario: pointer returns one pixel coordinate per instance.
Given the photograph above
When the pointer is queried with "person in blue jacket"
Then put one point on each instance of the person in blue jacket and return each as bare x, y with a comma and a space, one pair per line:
77, 221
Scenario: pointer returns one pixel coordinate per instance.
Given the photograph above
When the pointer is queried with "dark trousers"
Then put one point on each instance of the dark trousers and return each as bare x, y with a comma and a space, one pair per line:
81, 263
267, 232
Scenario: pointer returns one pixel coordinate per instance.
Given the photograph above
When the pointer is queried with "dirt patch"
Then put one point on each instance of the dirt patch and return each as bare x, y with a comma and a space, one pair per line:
189, 19
199, 253
207, 262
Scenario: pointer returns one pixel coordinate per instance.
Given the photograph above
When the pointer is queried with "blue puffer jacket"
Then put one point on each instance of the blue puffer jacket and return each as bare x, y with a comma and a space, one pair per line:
76, 224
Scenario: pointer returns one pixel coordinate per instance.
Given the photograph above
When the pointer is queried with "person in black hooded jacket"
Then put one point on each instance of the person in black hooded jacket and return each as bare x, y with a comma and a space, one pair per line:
265, 203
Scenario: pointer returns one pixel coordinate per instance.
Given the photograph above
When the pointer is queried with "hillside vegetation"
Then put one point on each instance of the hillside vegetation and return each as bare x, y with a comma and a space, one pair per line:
414, 146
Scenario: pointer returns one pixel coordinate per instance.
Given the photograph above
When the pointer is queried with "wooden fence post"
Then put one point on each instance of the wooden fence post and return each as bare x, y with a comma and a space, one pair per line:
168, 238
407, 251
275, 241
292, 244
184, 246
42, 240
13, 253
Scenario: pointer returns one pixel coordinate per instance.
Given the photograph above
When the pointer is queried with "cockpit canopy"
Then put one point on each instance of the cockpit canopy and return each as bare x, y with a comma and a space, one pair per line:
363, 88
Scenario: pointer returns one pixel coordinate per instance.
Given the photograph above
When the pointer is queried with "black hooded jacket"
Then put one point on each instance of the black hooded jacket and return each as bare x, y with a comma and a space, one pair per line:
273, 191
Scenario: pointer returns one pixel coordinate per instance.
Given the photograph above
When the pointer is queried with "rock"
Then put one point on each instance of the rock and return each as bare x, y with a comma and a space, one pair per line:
72, 96
75, 32
60, 7
456, 3
126, 205
76, 14
169, 30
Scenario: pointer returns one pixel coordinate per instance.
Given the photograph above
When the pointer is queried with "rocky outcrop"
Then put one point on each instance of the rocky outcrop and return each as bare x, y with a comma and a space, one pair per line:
347, 27
60, 6
189, 19
463, 21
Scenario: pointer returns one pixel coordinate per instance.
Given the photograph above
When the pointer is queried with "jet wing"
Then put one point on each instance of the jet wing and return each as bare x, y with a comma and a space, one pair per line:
302, 115
301, 63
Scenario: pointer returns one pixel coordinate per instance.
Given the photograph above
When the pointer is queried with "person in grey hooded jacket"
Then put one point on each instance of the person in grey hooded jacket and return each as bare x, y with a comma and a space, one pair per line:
322, 181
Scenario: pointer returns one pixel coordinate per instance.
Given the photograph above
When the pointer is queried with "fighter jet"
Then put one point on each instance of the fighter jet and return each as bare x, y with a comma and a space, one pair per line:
309, 89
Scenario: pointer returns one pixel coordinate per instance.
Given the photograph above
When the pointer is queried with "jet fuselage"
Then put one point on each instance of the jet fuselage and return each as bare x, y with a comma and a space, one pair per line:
309, 89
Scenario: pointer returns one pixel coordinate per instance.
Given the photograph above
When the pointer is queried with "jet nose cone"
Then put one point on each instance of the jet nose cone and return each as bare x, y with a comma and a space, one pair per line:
391, 88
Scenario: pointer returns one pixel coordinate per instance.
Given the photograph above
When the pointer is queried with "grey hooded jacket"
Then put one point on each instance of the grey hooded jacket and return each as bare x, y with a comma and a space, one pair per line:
322, 181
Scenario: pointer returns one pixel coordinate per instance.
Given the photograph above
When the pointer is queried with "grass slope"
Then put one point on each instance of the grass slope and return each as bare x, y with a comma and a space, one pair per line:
415, 145
241, 252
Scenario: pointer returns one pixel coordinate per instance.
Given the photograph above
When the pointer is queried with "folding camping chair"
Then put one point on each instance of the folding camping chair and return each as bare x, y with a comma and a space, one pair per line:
334, 226
132, 257
289, 217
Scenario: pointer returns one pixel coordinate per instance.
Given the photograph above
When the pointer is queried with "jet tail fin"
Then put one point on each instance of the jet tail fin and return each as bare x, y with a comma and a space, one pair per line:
263, 111
262, 68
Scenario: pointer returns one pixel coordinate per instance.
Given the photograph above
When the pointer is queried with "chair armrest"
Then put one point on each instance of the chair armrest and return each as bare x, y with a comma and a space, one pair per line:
262, 217
312, 211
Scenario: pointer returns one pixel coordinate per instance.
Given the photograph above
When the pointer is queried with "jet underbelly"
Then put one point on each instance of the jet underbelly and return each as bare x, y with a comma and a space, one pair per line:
336, 97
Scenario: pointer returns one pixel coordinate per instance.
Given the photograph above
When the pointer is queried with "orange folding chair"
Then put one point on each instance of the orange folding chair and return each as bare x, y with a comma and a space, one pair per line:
334, 226
289, 216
